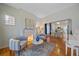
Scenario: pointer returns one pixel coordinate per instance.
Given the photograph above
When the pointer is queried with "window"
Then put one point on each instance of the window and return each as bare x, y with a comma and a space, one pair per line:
9, 20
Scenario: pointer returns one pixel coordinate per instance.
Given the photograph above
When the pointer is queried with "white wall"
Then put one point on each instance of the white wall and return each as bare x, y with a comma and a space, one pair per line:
68, 13
7, 32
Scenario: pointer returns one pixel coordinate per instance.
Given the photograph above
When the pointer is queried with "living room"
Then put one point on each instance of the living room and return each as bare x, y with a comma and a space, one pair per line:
32, 23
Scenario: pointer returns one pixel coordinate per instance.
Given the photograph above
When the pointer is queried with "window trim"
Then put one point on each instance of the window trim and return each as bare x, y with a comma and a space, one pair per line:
10, 20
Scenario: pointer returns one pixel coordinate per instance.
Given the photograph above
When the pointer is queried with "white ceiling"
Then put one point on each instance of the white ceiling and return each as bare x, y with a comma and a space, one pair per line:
41, 9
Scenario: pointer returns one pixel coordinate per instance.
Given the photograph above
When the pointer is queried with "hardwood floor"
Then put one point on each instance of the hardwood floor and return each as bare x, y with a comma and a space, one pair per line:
59, 49
6, 52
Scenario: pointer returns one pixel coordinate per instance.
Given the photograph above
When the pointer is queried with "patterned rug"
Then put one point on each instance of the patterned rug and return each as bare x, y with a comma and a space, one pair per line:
38, 50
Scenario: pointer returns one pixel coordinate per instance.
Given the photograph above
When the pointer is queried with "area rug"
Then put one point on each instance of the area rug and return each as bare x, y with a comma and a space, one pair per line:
38, 50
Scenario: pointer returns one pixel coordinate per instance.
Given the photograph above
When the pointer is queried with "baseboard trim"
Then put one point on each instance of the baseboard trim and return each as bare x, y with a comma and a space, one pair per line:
4, 47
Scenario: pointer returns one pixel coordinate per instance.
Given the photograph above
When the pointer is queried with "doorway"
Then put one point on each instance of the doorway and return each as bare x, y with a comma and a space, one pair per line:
62, 28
